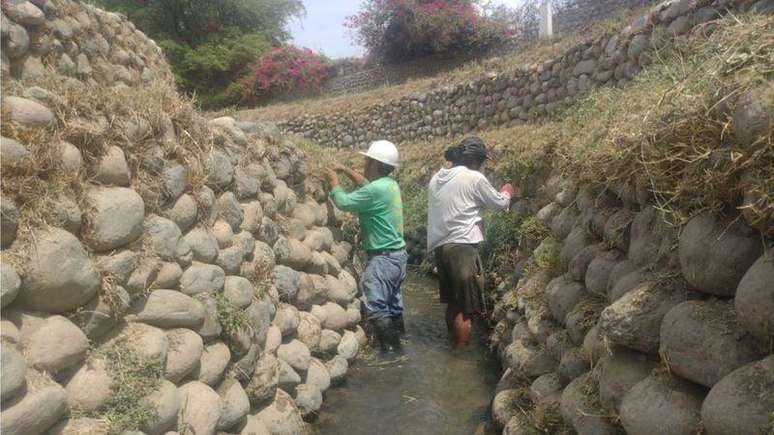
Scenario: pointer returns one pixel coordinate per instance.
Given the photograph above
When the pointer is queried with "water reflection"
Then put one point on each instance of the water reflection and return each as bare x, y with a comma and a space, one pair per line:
433, 388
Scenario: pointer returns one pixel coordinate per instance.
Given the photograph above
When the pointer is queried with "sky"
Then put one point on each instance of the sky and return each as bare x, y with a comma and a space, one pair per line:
322, 29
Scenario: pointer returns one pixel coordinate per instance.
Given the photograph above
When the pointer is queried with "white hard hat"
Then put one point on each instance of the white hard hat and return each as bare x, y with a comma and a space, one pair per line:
383, 151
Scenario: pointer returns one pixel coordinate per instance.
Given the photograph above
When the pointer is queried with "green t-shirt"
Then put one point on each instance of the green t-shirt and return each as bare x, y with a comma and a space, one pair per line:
380, 210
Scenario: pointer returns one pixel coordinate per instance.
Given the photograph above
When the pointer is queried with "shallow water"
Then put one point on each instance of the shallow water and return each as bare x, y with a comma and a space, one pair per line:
433, 388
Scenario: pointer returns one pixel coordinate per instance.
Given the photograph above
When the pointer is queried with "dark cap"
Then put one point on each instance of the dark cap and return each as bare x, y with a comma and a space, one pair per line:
473, 147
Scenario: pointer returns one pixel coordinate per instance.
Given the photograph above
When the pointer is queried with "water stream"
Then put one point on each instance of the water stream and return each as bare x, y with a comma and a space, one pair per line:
433, 388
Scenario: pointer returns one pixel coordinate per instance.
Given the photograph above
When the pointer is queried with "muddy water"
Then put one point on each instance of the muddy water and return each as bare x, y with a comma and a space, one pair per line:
433, 388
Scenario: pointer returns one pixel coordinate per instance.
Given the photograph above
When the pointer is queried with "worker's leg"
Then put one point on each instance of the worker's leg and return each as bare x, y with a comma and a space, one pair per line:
395, 302
378, 279
463, 325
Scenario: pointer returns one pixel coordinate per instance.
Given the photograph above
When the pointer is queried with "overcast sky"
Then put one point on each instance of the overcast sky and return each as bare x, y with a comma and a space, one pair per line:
322, 29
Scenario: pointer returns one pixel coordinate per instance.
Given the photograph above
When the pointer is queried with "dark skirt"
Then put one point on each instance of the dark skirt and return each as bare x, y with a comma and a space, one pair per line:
461, 276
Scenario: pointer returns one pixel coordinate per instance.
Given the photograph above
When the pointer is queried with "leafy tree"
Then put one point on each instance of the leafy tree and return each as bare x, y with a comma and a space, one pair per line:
209, 43
395, 31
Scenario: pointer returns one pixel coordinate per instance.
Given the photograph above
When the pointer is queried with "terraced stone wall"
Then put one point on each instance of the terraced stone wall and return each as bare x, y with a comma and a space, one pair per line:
148, 287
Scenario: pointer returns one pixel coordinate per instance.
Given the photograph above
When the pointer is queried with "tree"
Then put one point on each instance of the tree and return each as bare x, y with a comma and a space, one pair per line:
396, 31
209, 43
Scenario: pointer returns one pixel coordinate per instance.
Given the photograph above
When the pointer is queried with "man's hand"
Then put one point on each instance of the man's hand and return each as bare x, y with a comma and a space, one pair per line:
332, 178
338, 167
507, 188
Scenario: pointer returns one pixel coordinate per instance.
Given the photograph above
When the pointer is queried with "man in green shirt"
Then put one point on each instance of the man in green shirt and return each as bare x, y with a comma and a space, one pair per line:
379, 208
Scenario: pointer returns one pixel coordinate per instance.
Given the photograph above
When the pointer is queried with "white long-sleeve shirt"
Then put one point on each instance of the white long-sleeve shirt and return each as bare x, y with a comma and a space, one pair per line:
456, 200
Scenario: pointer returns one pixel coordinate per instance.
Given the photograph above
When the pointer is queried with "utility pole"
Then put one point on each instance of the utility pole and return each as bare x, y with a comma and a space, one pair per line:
546, 30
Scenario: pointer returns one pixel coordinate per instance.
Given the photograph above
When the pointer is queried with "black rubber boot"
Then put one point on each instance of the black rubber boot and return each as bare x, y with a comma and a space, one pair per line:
397, 321
387, 334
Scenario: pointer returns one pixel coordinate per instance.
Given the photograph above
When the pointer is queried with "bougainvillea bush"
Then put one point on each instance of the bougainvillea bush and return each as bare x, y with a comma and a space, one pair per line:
282, 71
394, 31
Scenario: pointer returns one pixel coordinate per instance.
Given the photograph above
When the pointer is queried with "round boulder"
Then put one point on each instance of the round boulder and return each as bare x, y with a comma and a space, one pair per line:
662, 404
185, 352
715, 253
200, 408
754, 300
55, 345
168, 309
296, 354
60, 276
115, 218
703, 341
282, 417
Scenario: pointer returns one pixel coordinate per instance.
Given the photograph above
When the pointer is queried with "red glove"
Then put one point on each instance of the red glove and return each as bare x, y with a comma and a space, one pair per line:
507, 188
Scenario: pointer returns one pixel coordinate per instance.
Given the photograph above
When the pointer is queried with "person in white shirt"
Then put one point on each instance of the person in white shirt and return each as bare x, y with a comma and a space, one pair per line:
456, 200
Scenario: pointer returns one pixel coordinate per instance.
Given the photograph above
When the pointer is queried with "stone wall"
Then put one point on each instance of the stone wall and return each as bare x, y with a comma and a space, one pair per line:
519, 97
160, 273
577, 15
616, 318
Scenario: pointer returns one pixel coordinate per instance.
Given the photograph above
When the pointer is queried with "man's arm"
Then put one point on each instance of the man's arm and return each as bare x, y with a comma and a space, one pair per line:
353, 175
356, 202
490, 198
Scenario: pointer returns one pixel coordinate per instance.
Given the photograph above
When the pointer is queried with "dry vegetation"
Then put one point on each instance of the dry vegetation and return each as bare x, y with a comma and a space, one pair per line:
528, 53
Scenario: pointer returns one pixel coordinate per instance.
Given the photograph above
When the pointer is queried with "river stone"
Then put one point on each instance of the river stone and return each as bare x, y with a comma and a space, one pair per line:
353, 315
12, 152
335, 317
259, 317
101, 313
594, 346
115, 219
234, 404
619, 372
334, 268
292, 253
648, 233
67, 214
579, 408
242, 367
9, 332
219, 169
752, 115
715, 254
254, 426
185, 352
341, 251
238, 291
230, 260
625, 278
308, 400
634, 320
183, 212
34, 413
90, 388
329, 341
71, 157
211, 327
288, 377
544, 386
286, 319
295, 353
60, 276
599, 271
13, 369
263, 384
339, 292
348, 346
213, 362
169, 276
754, 300
168, 309
203, 244
580, 262
528, 359
245, 185
287, 282
337, 369
144, 276
312, 290
317, 375
253, 217
572, 365
200, 409
56, 345
362, 338
162, 236
703, 341
166, 401
662, 404
9, 286
742, 401
562, 294
575, 242
282, 417
9, 222
506, 405
230, 210
202, 278
112, 169
80, 425
148, 341
273, 339
175, 179
28, 113
309, 330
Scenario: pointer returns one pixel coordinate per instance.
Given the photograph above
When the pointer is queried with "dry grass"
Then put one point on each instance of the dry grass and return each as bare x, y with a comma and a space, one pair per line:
529, 53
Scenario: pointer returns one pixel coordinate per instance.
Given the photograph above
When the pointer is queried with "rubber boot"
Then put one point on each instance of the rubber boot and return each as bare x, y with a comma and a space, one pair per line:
386, 334
397, 321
